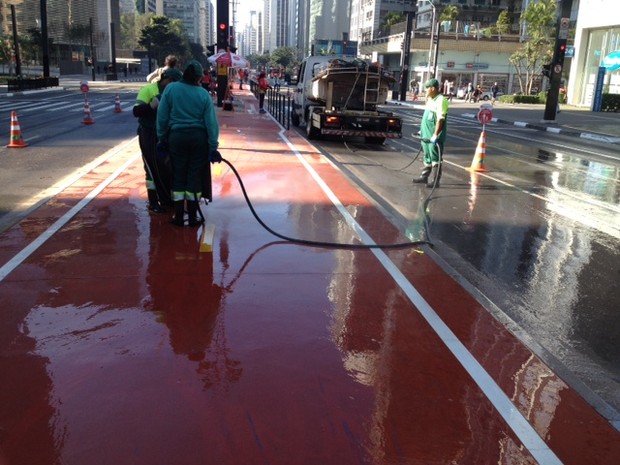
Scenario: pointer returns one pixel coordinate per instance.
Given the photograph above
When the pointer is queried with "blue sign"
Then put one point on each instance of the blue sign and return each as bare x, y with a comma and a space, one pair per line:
570, 52
612, 61
598, 89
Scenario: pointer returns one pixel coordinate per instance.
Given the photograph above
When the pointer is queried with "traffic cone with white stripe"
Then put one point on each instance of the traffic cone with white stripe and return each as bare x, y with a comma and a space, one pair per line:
87, 117
117, 104
16, 133
477, 163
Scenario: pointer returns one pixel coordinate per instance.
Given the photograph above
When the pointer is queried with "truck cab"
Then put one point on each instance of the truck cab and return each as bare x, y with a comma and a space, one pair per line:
307, 71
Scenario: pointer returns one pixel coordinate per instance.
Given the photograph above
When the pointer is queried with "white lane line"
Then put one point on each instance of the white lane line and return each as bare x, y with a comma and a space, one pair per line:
22, 255
67, 106
502, 403
48, 107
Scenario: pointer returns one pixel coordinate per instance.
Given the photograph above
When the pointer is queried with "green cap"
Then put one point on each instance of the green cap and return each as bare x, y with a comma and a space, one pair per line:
431, 83
173, 74
198, 70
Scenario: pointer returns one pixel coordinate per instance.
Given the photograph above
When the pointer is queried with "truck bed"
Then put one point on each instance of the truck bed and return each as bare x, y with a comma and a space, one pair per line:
355, 85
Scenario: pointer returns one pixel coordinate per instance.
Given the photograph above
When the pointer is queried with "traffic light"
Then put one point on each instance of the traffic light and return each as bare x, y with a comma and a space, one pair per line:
546, 70
560, 51
222, 36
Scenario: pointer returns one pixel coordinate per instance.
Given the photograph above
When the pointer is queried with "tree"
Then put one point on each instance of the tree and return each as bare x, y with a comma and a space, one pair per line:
259, 61
539, 21
284, 57
197, 52
449, 13
161, 38
503, 23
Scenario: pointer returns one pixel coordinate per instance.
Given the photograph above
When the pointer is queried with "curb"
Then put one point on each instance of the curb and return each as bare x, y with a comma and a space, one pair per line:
606, 139
553, 129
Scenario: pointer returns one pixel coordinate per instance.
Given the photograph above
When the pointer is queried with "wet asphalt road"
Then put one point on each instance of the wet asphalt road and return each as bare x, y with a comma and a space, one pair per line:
536, 238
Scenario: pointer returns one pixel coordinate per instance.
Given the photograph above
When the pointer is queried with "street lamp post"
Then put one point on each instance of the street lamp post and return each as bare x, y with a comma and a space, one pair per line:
45, 40
436, 30
18, 66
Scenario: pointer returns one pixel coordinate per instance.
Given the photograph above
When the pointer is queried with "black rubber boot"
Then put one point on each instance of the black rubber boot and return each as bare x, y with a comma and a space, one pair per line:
154, 205
192, 210
435, 176
426, 171
179, 211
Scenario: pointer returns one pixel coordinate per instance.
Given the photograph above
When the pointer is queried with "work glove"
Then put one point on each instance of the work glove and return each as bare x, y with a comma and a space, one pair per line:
161, 149
154, 103
433, 139
215, 156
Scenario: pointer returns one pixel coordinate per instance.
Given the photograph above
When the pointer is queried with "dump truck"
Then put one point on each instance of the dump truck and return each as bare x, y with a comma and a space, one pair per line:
341, 96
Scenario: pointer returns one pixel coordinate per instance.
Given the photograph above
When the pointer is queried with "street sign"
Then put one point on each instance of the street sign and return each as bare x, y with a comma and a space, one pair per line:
563, 33
485, 115
557, 69
84, 86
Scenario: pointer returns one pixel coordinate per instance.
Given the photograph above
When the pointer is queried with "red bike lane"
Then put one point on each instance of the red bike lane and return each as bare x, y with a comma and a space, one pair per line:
121, 342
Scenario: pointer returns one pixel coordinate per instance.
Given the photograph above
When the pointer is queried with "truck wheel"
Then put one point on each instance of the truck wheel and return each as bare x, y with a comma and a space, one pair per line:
311, 131
375, 140
295, 119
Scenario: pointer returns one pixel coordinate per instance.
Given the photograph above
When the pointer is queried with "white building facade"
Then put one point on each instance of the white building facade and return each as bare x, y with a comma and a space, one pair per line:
597, 44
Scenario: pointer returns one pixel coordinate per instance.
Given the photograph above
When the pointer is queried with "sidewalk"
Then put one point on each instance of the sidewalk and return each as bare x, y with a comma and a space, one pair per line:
122, 342
571, 121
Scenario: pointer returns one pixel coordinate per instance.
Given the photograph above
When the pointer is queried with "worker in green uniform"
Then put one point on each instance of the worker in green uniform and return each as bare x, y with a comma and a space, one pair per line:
158, 175
186, 116
433, 133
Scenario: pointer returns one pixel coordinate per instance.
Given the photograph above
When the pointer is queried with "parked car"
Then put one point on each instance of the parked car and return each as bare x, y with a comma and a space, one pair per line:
487, 95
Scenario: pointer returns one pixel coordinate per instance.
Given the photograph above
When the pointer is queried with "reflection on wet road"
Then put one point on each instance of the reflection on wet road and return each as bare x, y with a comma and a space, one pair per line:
539, 234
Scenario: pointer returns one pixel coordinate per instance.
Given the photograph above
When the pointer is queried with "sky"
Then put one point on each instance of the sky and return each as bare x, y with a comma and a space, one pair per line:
243, 10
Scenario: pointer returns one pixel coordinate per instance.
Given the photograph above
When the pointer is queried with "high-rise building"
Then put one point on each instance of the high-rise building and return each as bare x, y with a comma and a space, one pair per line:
68, 26
328, 20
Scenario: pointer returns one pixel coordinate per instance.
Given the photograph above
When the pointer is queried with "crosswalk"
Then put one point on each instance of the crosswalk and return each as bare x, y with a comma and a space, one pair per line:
55, 106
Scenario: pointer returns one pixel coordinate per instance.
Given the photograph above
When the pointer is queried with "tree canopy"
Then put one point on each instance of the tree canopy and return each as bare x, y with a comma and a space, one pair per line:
164, 36
539, 20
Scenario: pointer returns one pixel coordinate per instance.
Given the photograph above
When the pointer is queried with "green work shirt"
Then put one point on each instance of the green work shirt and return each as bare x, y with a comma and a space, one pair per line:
436, 109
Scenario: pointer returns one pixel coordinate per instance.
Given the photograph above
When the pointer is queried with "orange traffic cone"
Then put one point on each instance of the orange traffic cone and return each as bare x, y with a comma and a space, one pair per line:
477, 163
87, 118
16, 133
117, 104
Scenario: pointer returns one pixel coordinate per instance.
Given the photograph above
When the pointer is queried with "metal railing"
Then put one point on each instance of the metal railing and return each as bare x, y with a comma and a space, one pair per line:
278, 102
279, 105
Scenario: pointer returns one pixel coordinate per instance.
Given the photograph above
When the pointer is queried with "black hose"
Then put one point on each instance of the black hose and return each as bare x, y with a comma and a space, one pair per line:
318, 243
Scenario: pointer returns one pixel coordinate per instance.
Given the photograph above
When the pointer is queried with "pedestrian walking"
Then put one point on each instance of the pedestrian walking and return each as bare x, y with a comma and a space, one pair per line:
170, 62
206, 80
433, 129
240, 75
477, 93
157, 171
494, 92
186, 119
263, 85
469, 93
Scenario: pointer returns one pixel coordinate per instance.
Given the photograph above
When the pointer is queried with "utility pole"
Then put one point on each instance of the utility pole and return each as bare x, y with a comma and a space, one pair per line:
93, 58
45, 40
406, 56
557, 64
18, 64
